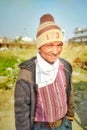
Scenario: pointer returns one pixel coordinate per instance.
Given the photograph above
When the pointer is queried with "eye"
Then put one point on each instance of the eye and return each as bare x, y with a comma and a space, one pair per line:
60, 45
49, 45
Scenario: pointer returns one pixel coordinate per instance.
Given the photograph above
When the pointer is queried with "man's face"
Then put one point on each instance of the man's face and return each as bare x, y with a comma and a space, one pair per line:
51, 51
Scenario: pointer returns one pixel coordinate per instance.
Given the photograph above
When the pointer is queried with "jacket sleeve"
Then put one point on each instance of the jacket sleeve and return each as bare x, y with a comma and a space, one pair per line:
22, 105
70, 112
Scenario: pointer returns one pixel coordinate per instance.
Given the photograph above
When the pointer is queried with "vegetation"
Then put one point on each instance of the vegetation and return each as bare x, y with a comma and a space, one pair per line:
9, 61
75, 54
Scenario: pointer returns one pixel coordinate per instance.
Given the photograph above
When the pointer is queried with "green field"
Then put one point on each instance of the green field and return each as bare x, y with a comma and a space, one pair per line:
75, 54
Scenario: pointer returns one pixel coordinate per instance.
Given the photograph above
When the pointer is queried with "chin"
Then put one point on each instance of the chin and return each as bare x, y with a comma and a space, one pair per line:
51, 62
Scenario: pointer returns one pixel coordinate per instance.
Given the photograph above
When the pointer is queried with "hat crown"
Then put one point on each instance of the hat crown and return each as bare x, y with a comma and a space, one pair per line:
46, 18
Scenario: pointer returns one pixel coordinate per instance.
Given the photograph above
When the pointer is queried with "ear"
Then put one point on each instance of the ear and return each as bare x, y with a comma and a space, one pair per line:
39, 50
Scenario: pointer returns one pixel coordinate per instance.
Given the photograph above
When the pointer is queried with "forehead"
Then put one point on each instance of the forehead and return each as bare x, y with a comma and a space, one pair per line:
53, 43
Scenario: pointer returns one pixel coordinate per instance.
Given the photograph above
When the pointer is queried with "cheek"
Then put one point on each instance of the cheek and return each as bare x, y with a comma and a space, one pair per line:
43, 53
60, 50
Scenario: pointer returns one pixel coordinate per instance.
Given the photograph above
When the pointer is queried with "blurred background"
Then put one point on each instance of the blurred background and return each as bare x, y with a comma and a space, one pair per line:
18, 25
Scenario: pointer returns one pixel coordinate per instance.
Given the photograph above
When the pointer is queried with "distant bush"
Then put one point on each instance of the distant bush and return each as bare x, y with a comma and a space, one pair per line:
80, 63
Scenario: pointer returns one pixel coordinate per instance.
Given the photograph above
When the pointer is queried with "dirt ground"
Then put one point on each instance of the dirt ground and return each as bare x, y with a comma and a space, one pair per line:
7, 110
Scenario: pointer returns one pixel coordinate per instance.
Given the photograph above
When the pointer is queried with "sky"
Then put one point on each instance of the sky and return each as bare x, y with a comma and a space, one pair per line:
21, 17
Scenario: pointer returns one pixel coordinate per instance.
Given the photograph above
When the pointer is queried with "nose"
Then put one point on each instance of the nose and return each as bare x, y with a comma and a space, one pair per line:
55, 50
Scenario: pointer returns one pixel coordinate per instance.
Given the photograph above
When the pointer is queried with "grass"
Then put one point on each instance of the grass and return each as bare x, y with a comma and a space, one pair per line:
9, 60
6, 62
71, 52
80, 85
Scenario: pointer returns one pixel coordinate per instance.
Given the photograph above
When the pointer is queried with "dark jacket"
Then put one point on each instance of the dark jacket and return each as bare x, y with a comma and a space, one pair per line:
25, 94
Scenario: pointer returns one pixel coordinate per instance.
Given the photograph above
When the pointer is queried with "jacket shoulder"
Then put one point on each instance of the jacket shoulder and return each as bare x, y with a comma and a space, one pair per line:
67, 65
27, 70
28, 63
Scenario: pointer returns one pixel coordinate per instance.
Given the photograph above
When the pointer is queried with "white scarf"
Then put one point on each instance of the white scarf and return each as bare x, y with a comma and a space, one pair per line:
45, 72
